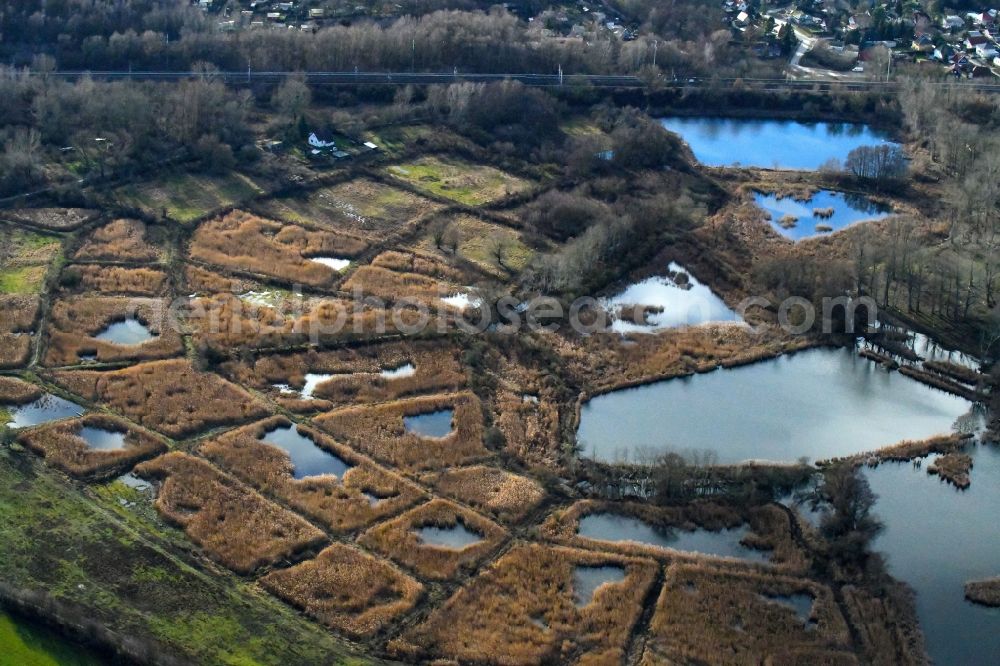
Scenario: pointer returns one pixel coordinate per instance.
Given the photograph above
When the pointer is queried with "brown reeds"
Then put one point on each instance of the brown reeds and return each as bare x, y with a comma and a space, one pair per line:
75, 322
14, 391
530, 427
234, 524
379, 430
940, 382
507, 496
904, 451
18, 319
114, 280
523, 610
243, 241
955, 371
399, 539
366, 492
953, 468
347, 590
984, 592
168, 396
54, 219
120, 240
62, 446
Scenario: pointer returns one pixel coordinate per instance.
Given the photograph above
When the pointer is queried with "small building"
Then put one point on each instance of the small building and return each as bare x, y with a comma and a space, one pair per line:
316, 13
320, 144
370, 146
952, 22
987, 51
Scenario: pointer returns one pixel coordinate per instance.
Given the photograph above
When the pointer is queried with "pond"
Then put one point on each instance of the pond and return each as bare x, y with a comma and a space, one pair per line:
722, 543
938, 538
819, 403
307, 457
101, 439
586, 580
677, 299
126, 332
25, 642
45, 409
431, 424
336, 263
401, 372
835, 210
780, 144
312, 380
455, 538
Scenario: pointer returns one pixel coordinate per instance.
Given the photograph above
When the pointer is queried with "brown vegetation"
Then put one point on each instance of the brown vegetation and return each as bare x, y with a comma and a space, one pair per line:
54, 219
522, 610
200, 280
392, 286
342, 504
955, 371
904, 451
887, 624
399, 539
347, 590
62, 446
13, 391
245, 242
530, 427
75, 322
114, 280
234, 524
984, 592
708, 615
953, 468
121, 240
20, 314
169, 396
379, 430
508, 496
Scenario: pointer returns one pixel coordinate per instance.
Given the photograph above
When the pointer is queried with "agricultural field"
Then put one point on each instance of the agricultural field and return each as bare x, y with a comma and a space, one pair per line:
25, 257
361, 206
463, 182
188, 197
494, 248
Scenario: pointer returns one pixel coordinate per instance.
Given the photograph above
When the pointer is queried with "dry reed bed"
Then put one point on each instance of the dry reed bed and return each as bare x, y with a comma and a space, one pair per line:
234, 524
115, 280
203, 281
953, 468
359, 206
338, 503
14, 391
397, 539
19, 316
882, 359
356, 373
62, 446
392, 286
769, 529
521, 610
379, 431
887, 625
74, 322
242, 241
347, 590
505, 495
121, 240
904, 451
940, 382
225, 321
955, 371
167, 396
708, 615
54, 219
984, 592
530, 428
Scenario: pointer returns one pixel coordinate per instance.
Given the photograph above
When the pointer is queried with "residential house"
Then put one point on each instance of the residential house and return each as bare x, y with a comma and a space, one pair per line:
974, 38
986, 51
923, 43
952, 22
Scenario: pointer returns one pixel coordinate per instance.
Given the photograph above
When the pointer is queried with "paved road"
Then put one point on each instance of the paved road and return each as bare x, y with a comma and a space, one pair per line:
542, 80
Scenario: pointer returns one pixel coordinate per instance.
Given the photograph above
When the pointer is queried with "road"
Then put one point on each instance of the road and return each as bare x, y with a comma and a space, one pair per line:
541, 80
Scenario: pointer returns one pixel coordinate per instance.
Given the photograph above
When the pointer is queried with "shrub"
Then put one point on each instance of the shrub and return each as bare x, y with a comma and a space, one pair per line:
342, 504
347, 590
62, 447
521, 610
399, 540
234, 524
168, 396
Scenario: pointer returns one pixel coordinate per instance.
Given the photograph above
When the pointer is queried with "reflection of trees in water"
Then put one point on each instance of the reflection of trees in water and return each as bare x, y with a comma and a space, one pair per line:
865, 205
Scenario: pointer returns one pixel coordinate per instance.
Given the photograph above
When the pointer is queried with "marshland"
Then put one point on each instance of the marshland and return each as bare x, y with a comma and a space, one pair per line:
514, 375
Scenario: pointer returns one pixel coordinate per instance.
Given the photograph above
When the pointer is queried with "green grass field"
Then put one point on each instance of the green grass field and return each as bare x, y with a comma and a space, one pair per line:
188, 197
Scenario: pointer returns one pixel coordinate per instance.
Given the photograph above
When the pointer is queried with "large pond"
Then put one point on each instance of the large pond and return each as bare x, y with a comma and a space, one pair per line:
25, 642
936, 539
818, 404
615, 528
780, 144
676, 299
825, 211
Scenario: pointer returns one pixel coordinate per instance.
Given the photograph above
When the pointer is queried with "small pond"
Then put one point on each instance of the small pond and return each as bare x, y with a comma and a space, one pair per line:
308, 388
938, 538
126, 332
455, 538
836, 210
45, 409
675, 301
336, 263
781, 144
818, 403
722, 543
431, 424
401, 372
307, 458
461, 301
586, 580
101, 439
